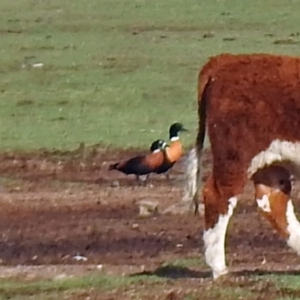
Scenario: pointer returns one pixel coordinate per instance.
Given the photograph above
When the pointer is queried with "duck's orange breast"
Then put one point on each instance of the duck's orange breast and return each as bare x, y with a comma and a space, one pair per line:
154, 160
175, 151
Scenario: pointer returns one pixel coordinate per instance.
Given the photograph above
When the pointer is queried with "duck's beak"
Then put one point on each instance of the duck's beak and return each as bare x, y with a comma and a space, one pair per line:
183, 129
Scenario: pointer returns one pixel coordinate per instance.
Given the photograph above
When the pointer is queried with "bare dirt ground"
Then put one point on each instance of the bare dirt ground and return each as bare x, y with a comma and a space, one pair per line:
56, 205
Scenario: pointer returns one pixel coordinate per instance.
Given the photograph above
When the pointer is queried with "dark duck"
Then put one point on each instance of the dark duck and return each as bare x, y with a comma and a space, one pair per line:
173, 151
143, 164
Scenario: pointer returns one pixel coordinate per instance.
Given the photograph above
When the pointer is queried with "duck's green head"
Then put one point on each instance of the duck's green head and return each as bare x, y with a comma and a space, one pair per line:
175, 129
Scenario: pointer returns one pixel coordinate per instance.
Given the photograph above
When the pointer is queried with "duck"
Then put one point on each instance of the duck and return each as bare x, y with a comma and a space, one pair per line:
143, 164
172, 151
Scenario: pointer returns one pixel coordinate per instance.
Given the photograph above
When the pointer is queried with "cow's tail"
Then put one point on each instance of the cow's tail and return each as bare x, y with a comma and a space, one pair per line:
193, 178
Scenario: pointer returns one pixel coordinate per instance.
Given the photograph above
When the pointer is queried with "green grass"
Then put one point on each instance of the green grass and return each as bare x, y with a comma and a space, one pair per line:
46, 289
120, 72
250, 287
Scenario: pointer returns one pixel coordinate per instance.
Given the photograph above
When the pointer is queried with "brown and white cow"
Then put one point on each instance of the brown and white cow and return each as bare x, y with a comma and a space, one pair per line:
250, 105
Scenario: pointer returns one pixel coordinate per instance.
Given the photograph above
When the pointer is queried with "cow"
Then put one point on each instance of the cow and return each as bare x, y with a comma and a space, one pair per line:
249, 104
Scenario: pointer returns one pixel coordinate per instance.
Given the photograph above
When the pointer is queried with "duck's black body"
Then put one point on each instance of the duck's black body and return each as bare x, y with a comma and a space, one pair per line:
142, 164
138, 165
165, 167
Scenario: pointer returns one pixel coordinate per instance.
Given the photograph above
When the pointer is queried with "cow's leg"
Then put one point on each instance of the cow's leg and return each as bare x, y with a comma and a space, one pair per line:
273, 196
218, 210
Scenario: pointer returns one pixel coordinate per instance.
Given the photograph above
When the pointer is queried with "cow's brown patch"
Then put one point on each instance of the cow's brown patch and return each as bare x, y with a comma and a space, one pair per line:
254, 99
246, 102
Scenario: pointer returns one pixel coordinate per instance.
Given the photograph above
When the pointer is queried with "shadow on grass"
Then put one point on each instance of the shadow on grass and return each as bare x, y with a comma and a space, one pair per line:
174, 272
178, 272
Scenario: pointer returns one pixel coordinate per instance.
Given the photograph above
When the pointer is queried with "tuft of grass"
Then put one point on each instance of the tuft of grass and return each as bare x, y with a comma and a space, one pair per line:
288, 41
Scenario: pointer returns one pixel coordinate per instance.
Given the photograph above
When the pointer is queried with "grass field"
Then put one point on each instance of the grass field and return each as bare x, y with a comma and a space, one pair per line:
120, 72
149, 287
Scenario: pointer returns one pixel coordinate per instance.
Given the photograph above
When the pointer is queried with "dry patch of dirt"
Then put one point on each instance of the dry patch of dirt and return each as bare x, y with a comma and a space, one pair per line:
63, 215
